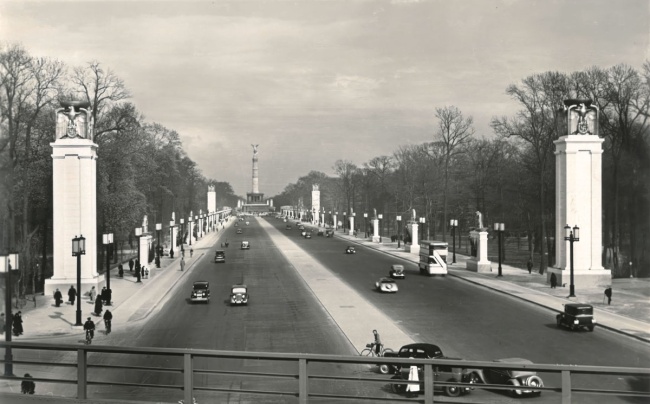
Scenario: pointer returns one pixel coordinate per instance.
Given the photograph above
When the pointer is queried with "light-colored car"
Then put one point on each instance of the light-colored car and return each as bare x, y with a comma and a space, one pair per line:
525, 381
245, 245
386, 285
239, 231
238, 295
220, 256
200, 292
397, 272
350, 250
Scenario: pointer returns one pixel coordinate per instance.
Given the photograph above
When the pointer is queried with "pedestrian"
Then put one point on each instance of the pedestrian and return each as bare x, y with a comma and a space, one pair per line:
137, 264
138, 273
145, 272
18, 323
182, 264
98, 307
378, 344
92, 294
108, 318
171, 253
608, 294
530, 266
120, 270
191, 252
27, 386
109, 296
131, 265
72, 294
553, 281
102, 295
58, 297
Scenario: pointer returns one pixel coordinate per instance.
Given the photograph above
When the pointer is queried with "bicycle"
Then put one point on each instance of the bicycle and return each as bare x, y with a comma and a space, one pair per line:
371, 350
107, 324
89, 337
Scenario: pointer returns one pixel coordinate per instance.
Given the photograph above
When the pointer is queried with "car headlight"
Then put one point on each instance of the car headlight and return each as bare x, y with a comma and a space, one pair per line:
576, 322
593, 320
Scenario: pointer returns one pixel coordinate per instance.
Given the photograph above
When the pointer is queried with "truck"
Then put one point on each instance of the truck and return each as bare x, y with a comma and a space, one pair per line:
433, 257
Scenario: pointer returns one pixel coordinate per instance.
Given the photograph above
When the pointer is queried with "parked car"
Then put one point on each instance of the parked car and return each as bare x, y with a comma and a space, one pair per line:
238, 295
301, 227
418, 350
288, 227
308, 234
441, 373
576, 316
527, 381
386, 285
220, 256
396, 271
302, 233
320, 233
200, 292
350, 250
245, 245
329, 233
239, 231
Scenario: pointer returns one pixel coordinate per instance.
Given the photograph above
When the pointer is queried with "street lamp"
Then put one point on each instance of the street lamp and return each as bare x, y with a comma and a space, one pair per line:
344, 222
172, 224
158, 229
453, 223
422, 220
365, 224
336, 225
379, 216
499, 228
189, 225
138, 234
107, 239
571, 236
79, 249
182, 233
6, 267
399, 229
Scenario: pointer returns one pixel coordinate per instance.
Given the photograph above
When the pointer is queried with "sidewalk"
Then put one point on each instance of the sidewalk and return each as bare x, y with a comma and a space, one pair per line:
629, 312
132, 301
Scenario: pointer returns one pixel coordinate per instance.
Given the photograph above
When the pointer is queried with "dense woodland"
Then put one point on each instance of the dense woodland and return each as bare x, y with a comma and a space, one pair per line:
508, 175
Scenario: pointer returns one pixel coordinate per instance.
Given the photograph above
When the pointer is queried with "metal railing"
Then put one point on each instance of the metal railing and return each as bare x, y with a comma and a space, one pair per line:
306, 381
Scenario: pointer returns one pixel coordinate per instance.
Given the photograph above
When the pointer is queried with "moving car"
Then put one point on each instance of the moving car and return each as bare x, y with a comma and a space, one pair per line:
441, 373
329, 233
303, 233
320, 233
577, 315
386, 285
396, 271
238, 295
418, 350
200, 292
220, 256
350, 250
239, 231
308, 234
245, 245
288, 227
526, 380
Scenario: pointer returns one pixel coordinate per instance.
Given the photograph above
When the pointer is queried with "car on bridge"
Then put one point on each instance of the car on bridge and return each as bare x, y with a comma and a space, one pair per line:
308, 234
200, 292
441, 373
238, 295
418, 350
576, 316
386, 285
350, 250
525, 381
245, 245
397, 271
220, 256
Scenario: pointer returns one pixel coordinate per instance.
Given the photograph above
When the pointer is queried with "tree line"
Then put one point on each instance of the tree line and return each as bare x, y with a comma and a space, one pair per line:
141, 166
509, 176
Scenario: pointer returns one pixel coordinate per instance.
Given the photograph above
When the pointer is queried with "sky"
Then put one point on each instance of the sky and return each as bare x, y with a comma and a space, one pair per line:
313, 82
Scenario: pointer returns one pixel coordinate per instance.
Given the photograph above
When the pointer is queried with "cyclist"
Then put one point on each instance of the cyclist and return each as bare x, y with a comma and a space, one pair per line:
27, 386
378, 344
108, 316
89, 326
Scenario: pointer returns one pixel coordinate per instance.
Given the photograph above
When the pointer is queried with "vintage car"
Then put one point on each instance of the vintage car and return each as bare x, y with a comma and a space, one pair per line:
220, 256
386, 285
329, 233
526, 381
308, 234
441, 373
303, 233
418, 350
288, 227
350, 250
301, 227
245, 245
247, 223
320, 233
238, 295
577, 315
396, 271
239, 231
200, 292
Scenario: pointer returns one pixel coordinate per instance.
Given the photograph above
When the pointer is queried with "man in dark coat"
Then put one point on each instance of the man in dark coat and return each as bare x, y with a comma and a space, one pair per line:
131, 265
108, 295
530, 266
98, 307
553, 281
18, 324
72, 294
120, 270
138, 273
58, 298
608, 293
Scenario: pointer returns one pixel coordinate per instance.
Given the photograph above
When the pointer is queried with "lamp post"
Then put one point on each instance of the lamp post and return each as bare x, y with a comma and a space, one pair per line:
499, 228
453, 223
336, 225
107, 239
571, 237
189, 224
182, 232
399, 229
422, 220
158, 229
379, 216
172, 224
6, 268
79, 249
344, 222
365, 224
138, 234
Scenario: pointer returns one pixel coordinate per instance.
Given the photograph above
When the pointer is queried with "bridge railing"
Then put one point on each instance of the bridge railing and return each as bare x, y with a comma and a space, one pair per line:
305, 377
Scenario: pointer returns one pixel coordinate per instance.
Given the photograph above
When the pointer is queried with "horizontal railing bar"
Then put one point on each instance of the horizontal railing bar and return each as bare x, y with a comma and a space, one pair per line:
634, 393
126, 367
246, 391
258, 374
126, 384
34, 363
347, 397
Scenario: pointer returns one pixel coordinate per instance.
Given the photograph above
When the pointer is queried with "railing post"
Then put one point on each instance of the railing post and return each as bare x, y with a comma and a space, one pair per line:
566, 387
82, 374
188, 378
428, 384
303, 380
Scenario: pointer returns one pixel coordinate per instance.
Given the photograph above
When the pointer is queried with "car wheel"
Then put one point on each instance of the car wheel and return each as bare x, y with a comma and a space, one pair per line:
397, 388
384, 369
559, 322
452, 391
515, 393
591, 328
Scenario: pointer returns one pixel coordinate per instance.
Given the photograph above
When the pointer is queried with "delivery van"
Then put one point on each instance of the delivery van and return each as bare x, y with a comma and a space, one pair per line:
433, 257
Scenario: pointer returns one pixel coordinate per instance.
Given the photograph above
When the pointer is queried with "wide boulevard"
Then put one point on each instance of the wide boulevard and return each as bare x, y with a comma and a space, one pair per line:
285, 315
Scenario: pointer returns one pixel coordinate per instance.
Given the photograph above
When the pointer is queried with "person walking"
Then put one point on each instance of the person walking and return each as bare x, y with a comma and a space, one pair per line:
182, 264
108, 317
98, 307
92, 294
131, 265
120, 270
72, 294
108, 297
27, 386
191, 252
58, 297
137, 264
138, 273
553, 281
529, 264
102, 295
18, 323
608, 294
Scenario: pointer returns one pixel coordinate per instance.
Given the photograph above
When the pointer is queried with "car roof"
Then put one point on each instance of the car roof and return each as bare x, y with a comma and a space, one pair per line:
199, 283
422, 345
579, 305
514, 360
397, 266
387, 280
239, 286
220, 251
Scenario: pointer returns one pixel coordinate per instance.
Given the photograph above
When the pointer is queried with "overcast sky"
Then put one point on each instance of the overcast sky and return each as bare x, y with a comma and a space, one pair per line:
312, 82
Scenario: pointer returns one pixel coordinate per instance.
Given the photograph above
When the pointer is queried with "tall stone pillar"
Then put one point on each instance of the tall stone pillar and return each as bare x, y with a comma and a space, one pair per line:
375, 230
315, 202
334, 220
351, 220
256, 181
414, 247
578, 197
212, 206
74, 197
478, 261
